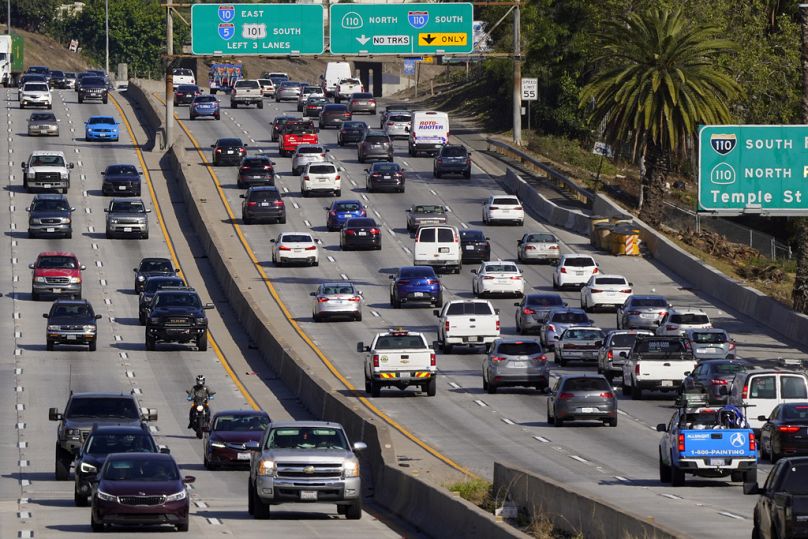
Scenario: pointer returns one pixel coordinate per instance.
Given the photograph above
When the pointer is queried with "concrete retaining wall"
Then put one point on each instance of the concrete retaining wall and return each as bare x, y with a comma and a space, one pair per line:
574, 220
572, 512
433, 509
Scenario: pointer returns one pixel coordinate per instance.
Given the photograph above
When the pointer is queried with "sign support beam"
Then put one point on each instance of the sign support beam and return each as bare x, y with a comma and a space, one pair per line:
517, 77
169, 131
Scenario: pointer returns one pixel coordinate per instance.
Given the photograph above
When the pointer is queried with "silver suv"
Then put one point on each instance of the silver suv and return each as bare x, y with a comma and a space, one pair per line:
127, 217
304, 461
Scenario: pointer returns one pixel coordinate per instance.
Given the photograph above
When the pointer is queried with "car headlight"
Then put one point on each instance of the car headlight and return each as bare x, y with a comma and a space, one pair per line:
217, 444
75, 280
200, 321
65, 175
350, 468
68, 220
39, 279
54, 328
87, 468
105, 497
89, 329
141, 278
113, 221
267, 468
73, 434
181, 495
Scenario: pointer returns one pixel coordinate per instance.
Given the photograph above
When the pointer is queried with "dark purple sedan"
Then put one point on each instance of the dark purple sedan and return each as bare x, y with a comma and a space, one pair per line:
136, 489
229, 431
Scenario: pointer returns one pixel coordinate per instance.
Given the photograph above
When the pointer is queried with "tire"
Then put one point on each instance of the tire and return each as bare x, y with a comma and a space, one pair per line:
396, 302
358, 317
105, 100
677, 476
260, 509
436, 173
636, 393
80, 500
282, 220
141, 318
202, 342
81, 100
626, 390
750, 476
217, 116
467, 174
93, 345
664, 471
151, 344
182, 527
62, 467
756, 531
49, 346
246, 220
260, 104
250, 500
96, 526
233, 105
558, 422
354, 511
432, 387
375, 389
34, 296
446, 347
774, 456
736, 477
338, 193
491, 389
549, 417
612, 422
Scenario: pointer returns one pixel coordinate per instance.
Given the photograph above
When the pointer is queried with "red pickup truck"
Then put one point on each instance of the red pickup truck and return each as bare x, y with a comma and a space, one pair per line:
56, 273
295, 133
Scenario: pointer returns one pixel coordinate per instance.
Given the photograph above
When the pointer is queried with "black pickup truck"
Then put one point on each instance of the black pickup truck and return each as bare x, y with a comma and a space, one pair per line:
177, 315
782, 510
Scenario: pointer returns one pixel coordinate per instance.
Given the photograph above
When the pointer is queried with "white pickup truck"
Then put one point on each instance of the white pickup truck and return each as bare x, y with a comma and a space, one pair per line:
46, 170
656, 363
469, 322
346, 88
247, 92
399, 358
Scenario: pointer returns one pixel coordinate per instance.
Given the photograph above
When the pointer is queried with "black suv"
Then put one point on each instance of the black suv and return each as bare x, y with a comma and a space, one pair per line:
374, 145
121, 180
452, 159
93, 88
82, 412
150, 267
228, 151
256, 170
49, 215
153, 284
262, 203
103, 440
177, 315
71, 321
57, 79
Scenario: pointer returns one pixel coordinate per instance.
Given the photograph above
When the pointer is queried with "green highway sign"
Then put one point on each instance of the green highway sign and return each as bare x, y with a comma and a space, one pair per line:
753, 169
253, 29
401, 28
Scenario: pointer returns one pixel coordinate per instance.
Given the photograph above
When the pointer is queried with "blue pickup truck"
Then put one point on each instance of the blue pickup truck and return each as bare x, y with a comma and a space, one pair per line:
706, 442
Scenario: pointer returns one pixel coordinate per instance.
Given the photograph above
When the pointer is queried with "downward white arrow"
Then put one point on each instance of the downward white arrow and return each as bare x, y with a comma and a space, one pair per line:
362, 40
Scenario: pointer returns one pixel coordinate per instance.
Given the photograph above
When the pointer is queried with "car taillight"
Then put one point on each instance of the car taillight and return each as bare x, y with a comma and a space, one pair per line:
562, 270
337, 178
404, 281
626, 291
244, 169
311, 248
551, 327
390, 124
518, 208
322, 300
431, 281
553, 247
446, 326
610, 355
251, 204
541, 358
671, 327
528, 310
242, 151
267, 167
596, 290
634, 313
681, 444
433, 360
637, 369
332, 213
565, 396
497, 359
355, 299
374, 231
218, 150
497, 325
753, 442
493, 207
284, 248
732, 346
363, 213
306, 179
278, 203
718, 382
607, 395
596, 270
516, 278
530, 248
745, 392
488, 278
376, 360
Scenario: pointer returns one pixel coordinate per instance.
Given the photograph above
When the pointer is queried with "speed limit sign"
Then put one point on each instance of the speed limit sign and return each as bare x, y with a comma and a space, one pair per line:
530, 89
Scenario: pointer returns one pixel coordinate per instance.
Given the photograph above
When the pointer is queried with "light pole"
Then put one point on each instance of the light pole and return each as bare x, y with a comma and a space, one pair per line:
106, 27
8, 20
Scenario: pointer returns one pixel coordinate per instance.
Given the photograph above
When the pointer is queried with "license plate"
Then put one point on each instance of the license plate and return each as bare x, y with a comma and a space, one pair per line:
243, 456
709, 350
647, 315
229, 151
264, 204
308, 494
71, 337
589, 410
121, 188
517, 364
298, 250
505, 211
46, 186
667, 383
443, 249
469, 247
579, 273
387, 177
418, 294
57, 290
717, 462
362, 234
127, 229
50, 229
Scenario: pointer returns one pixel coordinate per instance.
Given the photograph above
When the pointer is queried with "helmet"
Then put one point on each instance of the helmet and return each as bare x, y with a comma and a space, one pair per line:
200, 380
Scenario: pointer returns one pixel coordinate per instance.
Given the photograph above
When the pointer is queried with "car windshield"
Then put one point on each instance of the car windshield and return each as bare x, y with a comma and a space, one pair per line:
568, 317
79, 310
689, 318
119, 407
469, 308
123, 469
330, 289
649, 302
92, 81
47, 161
183, 72
104, 444
501, 268
43, 117
54, 262
396, 342
347, 206
795, 481
49, 204
429, 209
582, 335
521, 348
386, 168
240, 423
100, 120
177, 299
579, 262
586, 384
252, 84
156, 265
312, 438
296, 238
126, 206
121, 170
544, 301
153, 285
35, 87
717, 337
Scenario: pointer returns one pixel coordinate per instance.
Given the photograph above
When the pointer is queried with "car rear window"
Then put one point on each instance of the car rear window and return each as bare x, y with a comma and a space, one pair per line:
426, 235
187, 88
418, 271
255, 162
544, 301
364, 95
230, 142
204, 99
352, 125
541, 238
586, 384
689, 318
506, 201
445, 235
456, 151
623, 340
429, 209
649, 302
393, 342
335, 108
662, 348
347, 206
360, 223
610, 280
727, 368
377, 139
709, 337
472, 235
469, 308
310, 149
582, 334
524, 348
296, 238
793, 387
570, 318
579, 262
253, 84
322, 169
795, 411
501, 268
386, 168
264, 195
796, 480
399, 118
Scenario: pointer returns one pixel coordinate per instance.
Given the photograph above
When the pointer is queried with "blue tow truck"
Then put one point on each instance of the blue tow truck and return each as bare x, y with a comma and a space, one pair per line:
706, 441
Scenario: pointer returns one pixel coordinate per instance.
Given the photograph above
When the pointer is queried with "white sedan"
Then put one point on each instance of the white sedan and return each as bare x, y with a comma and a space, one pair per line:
295, 248
604, 290
503, 209
498, 278
534, 247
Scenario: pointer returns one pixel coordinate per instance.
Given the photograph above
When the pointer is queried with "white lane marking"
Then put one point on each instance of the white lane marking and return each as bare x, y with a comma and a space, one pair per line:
76, 150
26, 483
16, 278
18, 351
11, 208
137, 391
153, 429
285, 189
22, 501
117, 337
364, 197
454, 385
213, 521
379, 215
344, 276
392, 232
433, 192
88, 210
130, 374
13, 226
296, 205
123, 355
14, 260
83, 177
579, 459
405, 163
23, 463
331, 258
20, 407
13, 243
671, 496
80, 164
307, 223
621, 412
99, 263
252, 140
731, 515
374, 313
24, 515
621, 478
506, 420
406, 249
108, 301
480, 403
20, 425
464, 225
95, 246
201, 505
352, 183
18, 370
17, 316
25, 534
91, 228
541, 439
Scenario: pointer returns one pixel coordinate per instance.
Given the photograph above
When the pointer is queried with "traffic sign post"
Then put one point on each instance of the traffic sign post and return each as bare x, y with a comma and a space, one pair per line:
530, 92
257, 29
759, 169
401, 28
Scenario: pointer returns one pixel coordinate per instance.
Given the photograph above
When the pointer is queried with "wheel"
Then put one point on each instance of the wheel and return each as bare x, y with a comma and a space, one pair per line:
664, 471
151, 343
750, 476
145, 236
677, 476
22, 105
736, 477
260, 104
182, 527
396, 302
81, 100
260, 509
358, 317
79, 499
338, 192
233, 105
96, 526
282, 220
636, 393
246, 220
354, 511
105, 100
756, 531
485, 384
93, 345
447, 348
217, 116
62, 468
436, 173
612, 422
432, 387
305, 193
375, 389
549, 417
192, 116
774, 456
491, 389
626, 390
202, 342
558, 422
467, 174
49, 346
618, 322
250, 500
439, 302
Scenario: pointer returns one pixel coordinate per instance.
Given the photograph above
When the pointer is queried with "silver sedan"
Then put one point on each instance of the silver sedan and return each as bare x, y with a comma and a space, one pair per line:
338, 299
43, 123
642, 311
515, 362
538, 247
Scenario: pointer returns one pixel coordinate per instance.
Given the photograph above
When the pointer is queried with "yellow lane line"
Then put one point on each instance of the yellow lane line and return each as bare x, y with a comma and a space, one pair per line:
289, 318
244, 391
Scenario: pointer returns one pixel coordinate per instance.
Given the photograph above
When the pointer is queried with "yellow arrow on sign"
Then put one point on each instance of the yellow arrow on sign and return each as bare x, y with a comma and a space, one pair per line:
453, 39
427, 59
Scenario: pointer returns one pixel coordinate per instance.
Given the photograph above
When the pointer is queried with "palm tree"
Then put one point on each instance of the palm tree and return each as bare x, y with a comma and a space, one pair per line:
659, 80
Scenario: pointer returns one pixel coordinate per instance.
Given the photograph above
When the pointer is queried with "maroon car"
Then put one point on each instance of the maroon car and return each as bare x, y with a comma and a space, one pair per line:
136, 489
227, 436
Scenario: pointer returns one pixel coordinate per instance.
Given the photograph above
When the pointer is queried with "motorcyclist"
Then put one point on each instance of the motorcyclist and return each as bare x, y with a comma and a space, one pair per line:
199, 393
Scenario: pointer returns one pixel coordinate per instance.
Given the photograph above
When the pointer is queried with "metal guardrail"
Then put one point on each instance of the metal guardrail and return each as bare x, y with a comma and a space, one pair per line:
561, 181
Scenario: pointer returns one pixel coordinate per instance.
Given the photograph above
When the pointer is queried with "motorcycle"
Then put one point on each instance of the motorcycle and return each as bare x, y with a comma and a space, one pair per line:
201, 414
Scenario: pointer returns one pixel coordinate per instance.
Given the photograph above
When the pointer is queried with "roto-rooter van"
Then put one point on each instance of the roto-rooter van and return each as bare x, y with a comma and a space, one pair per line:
428, 132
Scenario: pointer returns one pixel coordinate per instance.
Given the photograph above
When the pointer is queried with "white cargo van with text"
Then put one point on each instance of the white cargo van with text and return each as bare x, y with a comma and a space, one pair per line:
437, 246
334, 72
428, 132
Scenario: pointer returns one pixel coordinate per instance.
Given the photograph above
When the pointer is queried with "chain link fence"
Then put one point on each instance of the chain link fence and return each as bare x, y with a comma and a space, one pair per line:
683, 220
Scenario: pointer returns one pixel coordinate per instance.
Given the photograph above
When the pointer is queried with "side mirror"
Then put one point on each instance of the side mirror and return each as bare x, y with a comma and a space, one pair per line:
687, 373
565, 304
148, 210
70, 165
751, 488
762, 418
106, 210
98, 317
44, 315
242, 196
134, 269
30, 266
662, 427
22, 166
103, 173
436, 312
272, 241
188, 479
392, 277
212, 145
556, 337
518, 242
72, 209
252, 445
245, 145
496, 311
516, 304
474, 271
598, 343
164, 449
360, 446
407, 129
150, 415
360, 347
54, 415
83, 267
208, 306
631, 284
313, 294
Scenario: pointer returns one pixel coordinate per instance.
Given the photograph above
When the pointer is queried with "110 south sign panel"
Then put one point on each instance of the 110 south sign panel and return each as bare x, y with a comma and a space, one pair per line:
753, 169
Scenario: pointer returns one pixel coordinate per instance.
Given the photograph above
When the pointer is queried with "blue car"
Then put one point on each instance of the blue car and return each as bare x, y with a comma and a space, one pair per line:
415, 284
101, 128
342, 210
204, 106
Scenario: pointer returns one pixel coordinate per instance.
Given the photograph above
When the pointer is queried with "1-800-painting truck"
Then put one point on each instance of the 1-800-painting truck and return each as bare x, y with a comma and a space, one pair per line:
11, 58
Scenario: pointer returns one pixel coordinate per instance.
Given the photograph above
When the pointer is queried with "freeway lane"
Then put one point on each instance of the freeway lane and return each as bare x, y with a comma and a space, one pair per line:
462, 422
30, 500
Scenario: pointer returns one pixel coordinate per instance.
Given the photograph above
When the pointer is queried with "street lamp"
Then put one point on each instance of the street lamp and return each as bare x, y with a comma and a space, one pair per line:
106, 27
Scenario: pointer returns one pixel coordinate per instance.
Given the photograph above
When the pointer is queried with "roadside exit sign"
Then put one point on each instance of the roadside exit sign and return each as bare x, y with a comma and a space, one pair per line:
253, 29
402, 28
753, 169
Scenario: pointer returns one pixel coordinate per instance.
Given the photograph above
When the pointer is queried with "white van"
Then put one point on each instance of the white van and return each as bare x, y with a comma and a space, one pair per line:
429, 131
761, 390
334, 72
437, 246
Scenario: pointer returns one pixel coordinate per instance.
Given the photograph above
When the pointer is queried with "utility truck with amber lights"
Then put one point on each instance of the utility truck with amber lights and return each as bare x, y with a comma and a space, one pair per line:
399, 358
